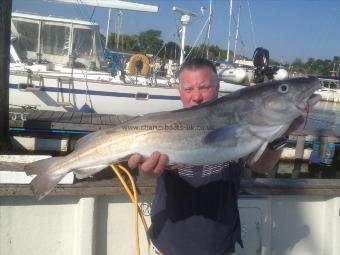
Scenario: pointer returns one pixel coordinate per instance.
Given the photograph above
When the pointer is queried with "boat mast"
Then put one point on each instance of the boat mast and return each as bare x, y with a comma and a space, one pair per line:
209, 27
108, 27
237, 31
185, 19
118, 29
230, 13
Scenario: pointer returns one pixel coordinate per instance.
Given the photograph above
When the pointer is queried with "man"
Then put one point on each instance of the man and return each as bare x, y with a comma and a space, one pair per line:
194, 211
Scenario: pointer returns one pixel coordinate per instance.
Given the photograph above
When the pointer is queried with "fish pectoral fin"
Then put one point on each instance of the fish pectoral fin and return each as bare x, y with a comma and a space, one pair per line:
259, 152
85, 172
220, 134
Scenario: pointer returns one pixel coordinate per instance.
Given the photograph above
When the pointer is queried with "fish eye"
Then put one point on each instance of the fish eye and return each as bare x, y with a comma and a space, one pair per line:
283, 88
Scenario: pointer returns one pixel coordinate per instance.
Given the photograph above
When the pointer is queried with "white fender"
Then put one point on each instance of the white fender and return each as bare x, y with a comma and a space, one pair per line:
237, 75
281, 74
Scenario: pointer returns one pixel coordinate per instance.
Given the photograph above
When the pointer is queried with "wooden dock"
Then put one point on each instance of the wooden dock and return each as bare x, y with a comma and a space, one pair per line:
53, 120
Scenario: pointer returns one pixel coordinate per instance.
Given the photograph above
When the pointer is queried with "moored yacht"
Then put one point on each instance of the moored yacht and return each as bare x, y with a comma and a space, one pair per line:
59, 64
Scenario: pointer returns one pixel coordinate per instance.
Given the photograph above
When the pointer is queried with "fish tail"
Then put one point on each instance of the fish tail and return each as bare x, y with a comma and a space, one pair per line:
44, 183
45, 180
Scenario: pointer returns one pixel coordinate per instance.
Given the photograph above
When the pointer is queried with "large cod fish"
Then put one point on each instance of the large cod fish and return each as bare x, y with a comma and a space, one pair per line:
229, 128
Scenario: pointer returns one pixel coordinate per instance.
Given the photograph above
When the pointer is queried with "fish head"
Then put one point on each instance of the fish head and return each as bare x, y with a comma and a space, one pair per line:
280, 102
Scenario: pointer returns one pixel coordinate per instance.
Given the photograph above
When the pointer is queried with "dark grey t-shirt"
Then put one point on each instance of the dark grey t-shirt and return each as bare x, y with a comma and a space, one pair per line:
195, 211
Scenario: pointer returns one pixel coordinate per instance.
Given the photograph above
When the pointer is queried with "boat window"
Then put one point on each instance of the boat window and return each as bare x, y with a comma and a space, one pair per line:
82, 42
333, 85
55, 39
26, 35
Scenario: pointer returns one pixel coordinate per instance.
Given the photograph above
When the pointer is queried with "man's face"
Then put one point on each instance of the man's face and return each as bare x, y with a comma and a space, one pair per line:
198, 86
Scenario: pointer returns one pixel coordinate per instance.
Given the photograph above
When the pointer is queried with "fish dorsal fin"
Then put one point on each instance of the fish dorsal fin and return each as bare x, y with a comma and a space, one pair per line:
220, 134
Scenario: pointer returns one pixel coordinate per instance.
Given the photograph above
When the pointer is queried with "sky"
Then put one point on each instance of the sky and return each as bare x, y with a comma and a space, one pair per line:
289, 29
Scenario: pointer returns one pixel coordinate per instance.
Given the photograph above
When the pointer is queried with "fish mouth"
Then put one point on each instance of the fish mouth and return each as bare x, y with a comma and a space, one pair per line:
307, 103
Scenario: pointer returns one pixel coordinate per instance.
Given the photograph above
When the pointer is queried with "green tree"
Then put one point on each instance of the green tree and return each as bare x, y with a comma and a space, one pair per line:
128, 43
150, 42
171, 50
215, 52
298, 66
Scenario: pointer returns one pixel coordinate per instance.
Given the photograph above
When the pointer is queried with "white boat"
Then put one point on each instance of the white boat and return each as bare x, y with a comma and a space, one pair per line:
243, 73
58, 64
330, 90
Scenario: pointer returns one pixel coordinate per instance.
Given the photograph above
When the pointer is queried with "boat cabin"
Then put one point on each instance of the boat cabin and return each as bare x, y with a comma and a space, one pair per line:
56, 41
330, 84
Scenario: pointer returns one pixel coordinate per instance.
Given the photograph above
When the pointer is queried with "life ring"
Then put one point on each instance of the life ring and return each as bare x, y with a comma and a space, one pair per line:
139, 64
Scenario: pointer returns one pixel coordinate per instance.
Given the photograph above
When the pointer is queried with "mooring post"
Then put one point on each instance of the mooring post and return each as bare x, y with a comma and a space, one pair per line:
323, 146
5, 33
299, 149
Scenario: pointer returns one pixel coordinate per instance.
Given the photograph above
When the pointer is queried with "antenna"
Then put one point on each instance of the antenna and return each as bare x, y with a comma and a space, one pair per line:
183, 11
185, 19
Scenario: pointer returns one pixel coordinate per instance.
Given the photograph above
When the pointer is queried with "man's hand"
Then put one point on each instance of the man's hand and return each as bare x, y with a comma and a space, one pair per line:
151, 167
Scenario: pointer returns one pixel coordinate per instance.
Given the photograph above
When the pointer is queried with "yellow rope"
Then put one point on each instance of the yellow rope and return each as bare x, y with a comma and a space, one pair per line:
134, 199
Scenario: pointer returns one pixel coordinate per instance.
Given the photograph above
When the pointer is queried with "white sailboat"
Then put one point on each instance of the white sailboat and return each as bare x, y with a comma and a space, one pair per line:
58, 64
237, 74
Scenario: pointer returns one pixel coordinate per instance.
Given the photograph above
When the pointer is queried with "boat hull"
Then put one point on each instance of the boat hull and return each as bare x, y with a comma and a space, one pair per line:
60, 93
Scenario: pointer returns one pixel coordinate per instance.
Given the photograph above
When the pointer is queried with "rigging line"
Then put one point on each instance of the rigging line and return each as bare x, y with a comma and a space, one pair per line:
94, 8
87, 96
76, 8
196, 19
154, 57
197, 38
252, 26
206, 40
239, 32
235, 23
197, 48
78, 5
207, 35
81, 3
